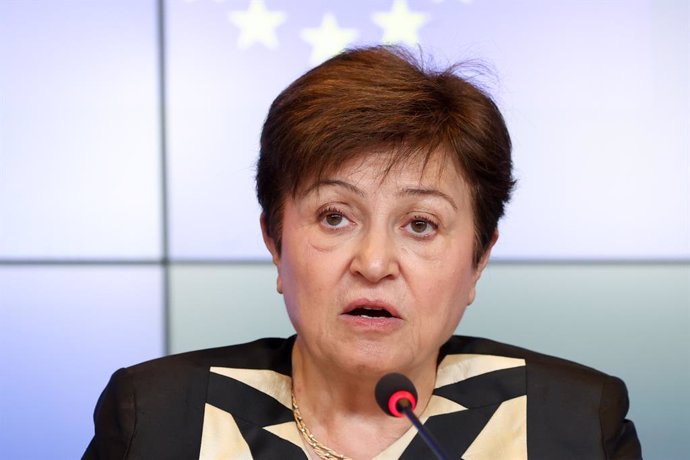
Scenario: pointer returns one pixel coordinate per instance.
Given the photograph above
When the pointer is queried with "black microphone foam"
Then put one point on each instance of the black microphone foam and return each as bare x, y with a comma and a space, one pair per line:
390, 389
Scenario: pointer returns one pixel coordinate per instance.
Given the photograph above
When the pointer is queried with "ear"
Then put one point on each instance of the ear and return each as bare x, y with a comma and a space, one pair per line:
275, 256
481, 266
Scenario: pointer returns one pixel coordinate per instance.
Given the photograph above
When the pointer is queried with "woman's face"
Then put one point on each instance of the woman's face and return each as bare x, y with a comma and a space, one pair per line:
377, 270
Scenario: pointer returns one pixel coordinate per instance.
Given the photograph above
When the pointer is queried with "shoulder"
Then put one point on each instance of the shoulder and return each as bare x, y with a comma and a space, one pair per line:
550, 382
155, 409
548, 378
568, 404
165, 384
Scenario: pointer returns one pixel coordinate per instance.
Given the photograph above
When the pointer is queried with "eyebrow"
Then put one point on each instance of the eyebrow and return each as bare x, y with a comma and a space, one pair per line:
409, 191
335, 182
428, 192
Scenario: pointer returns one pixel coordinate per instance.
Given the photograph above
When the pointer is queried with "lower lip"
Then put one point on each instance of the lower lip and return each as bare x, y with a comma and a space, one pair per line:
372, 323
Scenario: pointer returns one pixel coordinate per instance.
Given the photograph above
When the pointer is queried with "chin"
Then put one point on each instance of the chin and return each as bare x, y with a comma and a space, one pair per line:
374, 361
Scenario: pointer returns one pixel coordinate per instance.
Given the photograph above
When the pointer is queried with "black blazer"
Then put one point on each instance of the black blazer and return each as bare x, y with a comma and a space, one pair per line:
491, 401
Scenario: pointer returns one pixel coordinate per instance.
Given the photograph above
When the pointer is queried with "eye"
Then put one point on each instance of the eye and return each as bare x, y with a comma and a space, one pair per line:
421, 227
332, 218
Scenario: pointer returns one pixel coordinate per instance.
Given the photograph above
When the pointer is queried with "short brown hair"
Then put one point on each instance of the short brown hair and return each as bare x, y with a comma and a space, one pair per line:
375, 98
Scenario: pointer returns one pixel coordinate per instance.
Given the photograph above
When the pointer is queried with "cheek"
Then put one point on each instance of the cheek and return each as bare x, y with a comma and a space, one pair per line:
309, 277
451, 288
290, 292
450, 299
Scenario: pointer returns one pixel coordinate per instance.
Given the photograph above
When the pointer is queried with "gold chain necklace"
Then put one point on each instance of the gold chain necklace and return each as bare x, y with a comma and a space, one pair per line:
322, 451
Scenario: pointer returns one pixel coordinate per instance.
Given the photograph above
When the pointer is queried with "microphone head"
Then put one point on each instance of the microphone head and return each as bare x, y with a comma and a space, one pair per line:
392, 391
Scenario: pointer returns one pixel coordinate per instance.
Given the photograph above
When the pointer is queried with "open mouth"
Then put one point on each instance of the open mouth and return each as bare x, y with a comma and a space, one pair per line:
370, 312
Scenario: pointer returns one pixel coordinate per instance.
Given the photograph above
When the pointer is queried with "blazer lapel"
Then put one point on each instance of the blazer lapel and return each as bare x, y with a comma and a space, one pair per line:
248, 415
478, 410
485, 414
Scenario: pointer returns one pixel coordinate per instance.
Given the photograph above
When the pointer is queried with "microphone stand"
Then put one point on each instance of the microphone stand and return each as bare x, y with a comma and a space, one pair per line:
405, 407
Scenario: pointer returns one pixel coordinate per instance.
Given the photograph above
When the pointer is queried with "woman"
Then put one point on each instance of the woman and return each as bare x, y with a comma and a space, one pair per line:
381, 185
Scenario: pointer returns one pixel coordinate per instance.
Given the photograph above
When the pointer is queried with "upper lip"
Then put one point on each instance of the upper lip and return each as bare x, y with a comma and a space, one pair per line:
371, 304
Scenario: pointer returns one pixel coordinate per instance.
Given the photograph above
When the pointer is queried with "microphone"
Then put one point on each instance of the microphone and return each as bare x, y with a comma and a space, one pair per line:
397, 396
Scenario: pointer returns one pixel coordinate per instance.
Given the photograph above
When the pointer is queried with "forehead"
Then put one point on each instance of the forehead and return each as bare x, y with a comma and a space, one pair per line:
435, 168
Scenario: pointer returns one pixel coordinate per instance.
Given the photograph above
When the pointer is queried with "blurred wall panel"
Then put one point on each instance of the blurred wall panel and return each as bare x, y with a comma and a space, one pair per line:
79, 148
63, 331
215, 305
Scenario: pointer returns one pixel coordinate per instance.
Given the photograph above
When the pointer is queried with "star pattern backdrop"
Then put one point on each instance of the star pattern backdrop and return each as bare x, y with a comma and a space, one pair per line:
589, 145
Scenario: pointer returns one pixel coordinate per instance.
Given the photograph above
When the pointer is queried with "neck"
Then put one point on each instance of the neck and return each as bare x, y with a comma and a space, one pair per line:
338, 405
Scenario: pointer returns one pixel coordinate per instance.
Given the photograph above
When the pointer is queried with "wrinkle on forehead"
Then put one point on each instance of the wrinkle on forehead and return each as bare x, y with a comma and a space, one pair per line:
430, 164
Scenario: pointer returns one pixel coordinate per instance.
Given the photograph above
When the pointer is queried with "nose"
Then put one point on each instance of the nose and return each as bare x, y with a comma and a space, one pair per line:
375, 256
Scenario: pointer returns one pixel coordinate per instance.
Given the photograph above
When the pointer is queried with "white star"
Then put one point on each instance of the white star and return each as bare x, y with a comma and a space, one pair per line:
257, 24
400, 24
328, 39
